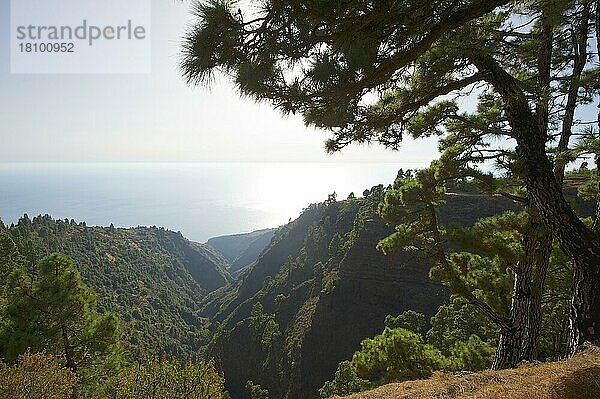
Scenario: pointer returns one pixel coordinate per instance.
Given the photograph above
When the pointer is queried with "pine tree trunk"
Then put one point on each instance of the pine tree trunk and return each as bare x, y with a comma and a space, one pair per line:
511, 336
69, 361
534, 312
596, 225
585, 307
507, 353
581, 244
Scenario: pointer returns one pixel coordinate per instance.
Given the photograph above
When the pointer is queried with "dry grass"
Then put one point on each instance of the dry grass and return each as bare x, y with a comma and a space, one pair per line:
575, 378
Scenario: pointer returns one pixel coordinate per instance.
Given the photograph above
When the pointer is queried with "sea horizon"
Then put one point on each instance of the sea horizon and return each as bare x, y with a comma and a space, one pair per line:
201, 200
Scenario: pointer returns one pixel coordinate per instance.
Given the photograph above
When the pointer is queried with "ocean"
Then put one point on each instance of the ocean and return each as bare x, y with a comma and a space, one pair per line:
200, 200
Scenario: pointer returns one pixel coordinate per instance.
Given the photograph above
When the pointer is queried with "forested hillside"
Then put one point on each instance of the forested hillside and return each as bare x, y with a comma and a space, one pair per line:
242, 249
152, 278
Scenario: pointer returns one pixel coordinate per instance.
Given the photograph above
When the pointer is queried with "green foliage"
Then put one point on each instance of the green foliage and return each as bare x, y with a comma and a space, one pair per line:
456, 322
336, 246
348, 50
345, 382
168, 379
257, 318
10, 257
410, 207
37, 375
54, 310
397, 355
256, 391
271, 334
409, 320
472, 354
10, 260
472, 275
589, 178
146, 276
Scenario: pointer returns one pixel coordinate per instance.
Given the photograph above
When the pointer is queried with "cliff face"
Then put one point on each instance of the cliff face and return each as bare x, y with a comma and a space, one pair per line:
370, 287
325, 288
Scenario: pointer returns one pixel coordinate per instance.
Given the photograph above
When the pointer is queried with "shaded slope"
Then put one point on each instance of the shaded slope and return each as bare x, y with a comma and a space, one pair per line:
323, 288
252, 252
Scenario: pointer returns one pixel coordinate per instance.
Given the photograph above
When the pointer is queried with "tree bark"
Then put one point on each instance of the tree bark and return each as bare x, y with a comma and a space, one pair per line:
585, 307
69, 361
507, 352
511, 336
596, 225
525, 311
540, 258
541, 240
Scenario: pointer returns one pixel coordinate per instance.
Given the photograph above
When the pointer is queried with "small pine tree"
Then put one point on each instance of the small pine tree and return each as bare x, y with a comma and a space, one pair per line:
345, 382
397, 355
256, 391
55, 310
409, 320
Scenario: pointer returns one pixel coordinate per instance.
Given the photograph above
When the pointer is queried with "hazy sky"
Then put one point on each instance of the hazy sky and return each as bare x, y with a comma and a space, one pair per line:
155, 117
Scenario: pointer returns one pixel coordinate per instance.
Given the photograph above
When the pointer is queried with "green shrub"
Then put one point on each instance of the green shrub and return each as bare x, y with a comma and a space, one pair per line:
397, 355
36, 375
256, 391
171, 380
345, 382
409, 320
473, 354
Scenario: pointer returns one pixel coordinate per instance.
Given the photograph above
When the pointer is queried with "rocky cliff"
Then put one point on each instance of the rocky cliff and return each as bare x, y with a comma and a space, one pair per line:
323, 287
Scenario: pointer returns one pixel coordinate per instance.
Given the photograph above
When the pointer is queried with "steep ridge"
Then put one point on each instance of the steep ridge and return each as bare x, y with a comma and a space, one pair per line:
154, 279
287, 241
252, 252
323, 287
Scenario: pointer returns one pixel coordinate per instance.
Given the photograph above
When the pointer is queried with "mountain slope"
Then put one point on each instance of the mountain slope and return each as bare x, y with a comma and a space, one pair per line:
323, 287
242, 249
154, 279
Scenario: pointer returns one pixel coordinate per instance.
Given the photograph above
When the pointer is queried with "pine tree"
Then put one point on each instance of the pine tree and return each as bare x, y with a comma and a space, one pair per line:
54, 310
493, 270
